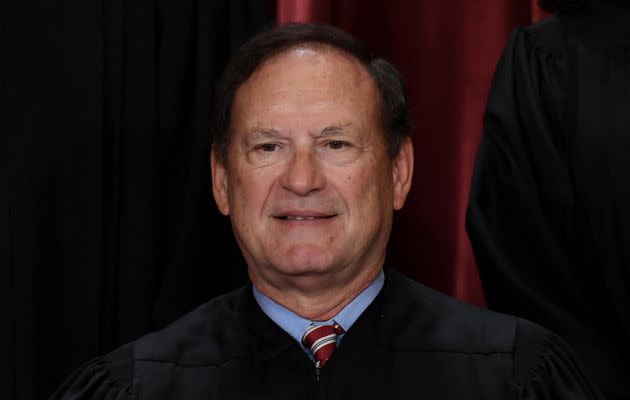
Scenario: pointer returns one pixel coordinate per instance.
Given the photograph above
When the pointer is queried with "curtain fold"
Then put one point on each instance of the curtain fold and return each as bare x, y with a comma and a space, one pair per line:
110, 230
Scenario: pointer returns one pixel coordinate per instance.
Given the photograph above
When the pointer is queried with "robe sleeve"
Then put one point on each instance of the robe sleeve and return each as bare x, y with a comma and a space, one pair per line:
521, 199
104, 378
545, 368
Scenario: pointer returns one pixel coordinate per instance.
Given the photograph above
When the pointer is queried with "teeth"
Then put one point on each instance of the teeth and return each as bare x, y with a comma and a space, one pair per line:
296, 218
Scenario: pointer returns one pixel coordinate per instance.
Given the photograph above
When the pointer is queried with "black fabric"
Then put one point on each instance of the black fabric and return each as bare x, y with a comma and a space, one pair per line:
573, 5
411, 342
548, 215
106, 206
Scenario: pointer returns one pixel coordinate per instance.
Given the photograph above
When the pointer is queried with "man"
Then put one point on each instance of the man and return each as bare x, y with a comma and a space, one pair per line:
311, 157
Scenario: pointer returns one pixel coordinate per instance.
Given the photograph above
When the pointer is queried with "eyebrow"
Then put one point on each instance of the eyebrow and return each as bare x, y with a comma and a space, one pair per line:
256, 133
333, 130
262, 133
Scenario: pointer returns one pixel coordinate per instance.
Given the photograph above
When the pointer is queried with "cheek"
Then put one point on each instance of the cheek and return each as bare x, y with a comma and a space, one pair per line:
369, 189
357, 187
250, 190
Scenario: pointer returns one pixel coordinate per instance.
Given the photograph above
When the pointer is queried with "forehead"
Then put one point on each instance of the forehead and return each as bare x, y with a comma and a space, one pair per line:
309, 79
321, 62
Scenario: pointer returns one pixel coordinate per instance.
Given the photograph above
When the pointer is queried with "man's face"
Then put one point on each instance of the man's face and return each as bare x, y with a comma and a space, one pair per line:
308, 183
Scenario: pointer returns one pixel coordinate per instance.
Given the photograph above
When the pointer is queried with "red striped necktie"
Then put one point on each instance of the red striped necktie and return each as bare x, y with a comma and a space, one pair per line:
322, 341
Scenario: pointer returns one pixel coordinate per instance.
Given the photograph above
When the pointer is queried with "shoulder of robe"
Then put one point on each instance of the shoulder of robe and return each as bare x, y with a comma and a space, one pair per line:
430, 320
422, 319
545, 366
108, 378
207, 336
546, 40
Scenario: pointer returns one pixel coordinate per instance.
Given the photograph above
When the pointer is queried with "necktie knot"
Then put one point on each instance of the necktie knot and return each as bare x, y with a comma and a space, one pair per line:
322, 341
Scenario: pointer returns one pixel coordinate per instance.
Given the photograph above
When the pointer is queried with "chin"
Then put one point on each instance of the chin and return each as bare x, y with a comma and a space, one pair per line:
305, 260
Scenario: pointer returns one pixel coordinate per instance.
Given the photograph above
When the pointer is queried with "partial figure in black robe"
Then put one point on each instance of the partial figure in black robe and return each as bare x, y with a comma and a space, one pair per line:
411, 342
549, 211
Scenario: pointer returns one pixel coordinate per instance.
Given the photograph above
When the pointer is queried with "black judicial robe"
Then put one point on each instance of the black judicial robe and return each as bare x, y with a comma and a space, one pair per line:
549, 210
411, 342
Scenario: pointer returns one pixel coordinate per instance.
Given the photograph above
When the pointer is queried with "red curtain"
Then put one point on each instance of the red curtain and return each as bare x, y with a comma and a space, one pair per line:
447, 50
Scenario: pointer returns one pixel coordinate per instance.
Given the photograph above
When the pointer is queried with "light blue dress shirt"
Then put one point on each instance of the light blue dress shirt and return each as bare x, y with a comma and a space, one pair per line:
295, 325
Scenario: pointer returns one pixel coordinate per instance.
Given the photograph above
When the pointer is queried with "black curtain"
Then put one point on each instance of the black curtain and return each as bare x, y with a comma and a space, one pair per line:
108, 225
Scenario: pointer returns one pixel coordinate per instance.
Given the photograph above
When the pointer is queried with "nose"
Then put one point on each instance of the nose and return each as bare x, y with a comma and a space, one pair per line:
303, 174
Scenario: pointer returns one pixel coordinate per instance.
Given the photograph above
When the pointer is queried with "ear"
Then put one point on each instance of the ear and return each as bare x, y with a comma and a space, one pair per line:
219, 183
402, 172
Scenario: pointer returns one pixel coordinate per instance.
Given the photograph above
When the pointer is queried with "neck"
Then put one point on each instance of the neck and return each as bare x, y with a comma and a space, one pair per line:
316, 298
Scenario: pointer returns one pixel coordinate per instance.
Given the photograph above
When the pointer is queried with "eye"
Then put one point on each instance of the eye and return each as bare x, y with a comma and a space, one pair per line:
336, 144
267, 147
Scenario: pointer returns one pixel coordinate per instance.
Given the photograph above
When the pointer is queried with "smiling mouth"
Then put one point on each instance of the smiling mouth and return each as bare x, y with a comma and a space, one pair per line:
303, 215
303, 218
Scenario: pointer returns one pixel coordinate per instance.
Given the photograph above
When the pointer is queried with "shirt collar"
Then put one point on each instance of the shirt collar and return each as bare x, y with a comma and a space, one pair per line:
295, 325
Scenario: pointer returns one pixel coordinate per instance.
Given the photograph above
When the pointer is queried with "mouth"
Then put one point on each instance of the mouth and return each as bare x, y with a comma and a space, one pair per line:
302, 218
303, 215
